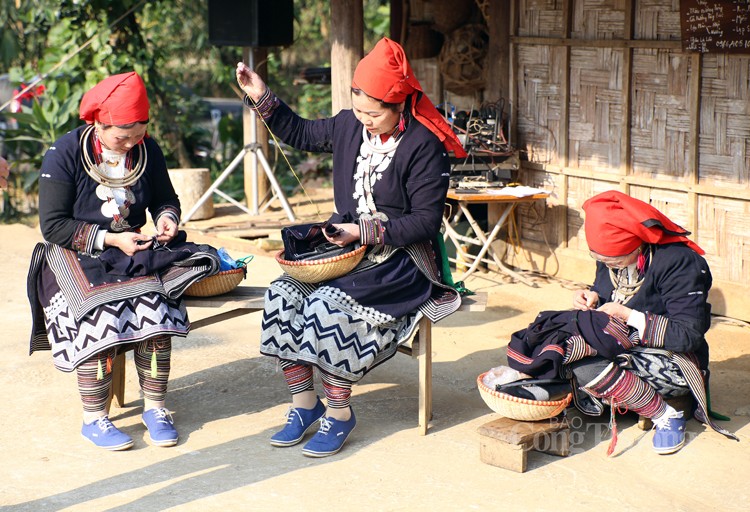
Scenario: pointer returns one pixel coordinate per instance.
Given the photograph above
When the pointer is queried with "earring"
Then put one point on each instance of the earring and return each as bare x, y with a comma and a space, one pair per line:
401, 123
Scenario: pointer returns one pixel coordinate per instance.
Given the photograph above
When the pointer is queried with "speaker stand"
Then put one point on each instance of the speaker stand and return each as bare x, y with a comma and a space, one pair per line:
256, 149
256, 152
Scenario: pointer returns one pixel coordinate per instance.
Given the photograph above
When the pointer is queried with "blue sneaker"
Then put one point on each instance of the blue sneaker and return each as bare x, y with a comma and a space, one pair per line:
670, 433
330, 438
160, 427
105, 435
298, 422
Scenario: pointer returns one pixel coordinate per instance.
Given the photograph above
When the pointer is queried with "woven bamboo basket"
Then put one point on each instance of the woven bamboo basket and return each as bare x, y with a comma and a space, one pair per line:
521, 409
325, 269
217, 284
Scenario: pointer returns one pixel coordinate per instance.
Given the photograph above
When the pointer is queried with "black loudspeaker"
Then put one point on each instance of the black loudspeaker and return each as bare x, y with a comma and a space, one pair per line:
250, 22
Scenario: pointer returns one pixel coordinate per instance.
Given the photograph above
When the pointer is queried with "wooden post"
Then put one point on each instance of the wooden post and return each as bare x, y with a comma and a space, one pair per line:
498, 52
346, 49
257, 133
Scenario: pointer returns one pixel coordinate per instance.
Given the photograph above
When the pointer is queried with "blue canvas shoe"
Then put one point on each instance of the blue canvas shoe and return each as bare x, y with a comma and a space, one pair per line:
330, 438
298, 422
670, 433
105, 435
160, 427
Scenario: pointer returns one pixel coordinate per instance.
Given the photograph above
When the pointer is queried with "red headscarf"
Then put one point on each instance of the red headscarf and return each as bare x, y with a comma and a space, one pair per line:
617, 224
117, 100
386, 75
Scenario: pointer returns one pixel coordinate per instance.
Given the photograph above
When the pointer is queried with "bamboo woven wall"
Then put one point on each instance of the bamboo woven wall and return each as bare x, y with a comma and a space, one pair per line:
605, 98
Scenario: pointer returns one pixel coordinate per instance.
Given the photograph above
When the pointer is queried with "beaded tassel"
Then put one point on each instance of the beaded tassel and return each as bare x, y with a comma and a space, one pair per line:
153, 363
613, 426
99, 372
109, 364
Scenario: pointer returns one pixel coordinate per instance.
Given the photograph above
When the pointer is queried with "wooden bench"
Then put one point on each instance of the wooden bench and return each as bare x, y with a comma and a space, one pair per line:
248, 299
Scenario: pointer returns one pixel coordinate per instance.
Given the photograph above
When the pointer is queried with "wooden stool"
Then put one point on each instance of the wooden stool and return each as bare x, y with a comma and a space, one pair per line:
681, 403
505, 443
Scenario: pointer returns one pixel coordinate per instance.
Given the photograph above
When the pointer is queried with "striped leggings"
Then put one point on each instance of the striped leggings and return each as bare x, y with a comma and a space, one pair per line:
299, 378
152, 362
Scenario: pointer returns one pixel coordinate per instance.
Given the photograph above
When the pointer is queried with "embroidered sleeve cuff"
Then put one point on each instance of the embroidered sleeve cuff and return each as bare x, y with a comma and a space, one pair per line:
371, 232
170, 212
84, 238
654, 330
265, 106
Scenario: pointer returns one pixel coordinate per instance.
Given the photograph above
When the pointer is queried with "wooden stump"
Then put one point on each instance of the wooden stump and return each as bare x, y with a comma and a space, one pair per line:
190, 185
505, 443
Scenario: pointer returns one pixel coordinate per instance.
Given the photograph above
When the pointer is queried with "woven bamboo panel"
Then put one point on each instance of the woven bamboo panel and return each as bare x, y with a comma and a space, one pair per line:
723, 234
540, 18
538, 101
657, 19
579, 190
595, 109
660, 116
537, 221
725, 128
672, 203
598, 19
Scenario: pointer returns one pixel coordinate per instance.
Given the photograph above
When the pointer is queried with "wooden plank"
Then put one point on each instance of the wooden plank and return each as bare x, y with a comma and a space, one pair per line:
242, 297
492, 198
596, 43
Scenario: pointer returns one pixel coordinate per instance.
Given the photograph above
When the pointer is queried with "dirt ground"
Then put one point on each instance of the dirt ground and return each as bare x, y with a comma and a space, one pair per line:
228, 399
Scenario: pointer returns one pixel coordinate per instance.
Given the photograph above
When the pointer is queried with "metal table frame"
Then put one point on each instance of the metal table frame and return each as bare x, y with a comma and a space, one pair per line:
481, 238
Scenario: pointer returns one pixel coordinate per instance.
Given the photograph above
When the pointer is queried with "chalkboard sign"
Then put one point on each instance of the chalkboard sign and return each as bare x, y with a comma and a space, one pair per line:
716, 26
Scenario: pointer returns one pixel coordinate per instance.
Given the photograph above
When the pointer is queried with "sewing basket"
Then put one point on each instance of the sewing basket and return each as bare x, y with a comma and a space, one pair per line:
324, 269
217, 284
521, 409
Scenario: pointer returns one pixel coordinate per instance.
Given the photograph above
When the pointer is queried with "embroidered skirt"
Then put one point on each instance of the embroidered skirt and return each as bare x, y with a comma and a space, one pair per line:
79, 310
127, 321
325, 327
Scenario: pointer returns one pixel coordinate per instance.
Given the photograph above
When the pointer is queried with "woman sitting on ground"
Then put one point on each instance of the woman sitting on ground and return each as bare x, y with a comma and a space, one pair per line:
637, 336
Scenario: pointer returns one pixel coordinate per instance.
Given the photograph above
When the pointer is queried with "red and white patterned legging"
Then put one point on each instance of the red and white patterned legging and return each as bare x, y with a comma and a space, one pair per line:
94, 391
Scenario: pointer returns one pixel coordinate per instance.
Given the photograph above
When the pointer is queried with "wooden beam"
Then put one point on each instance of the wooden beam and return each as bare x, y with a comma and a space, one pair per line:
650, 44
346, 49
498, 51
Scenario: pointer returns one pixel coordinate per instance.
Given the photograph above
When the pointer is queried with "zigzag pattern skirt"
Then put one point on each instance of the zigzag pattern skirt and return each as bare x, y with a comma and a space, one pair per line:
117, 323
324, 327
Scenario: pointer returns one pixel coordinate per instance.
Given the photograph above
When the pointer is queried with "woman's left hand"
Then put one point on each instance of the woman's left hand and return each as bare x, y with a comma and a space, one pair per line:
166, 230
349, 234
615, 310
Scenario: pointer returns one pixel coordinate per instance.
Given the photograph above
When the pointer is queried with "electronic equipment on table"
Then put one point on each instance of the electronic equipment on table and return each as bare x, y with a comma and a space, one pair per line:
492, 161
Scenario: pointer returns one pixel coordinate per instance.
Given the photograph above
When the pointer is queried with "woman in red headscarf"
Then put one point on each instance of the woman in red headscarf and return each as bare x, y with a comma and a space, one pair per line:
637, 336
99, 285
390, 179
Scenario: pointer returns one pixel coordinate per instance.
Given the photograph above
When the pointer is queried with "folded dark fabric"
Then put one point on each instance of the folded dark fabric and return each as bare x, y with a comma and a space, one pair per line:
157, 259
536, 389
307, 242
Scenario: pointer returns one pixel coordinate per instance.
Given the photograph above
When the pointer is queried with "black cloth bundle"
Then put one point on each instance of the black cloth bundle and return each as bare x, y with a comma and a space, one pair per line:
307, 242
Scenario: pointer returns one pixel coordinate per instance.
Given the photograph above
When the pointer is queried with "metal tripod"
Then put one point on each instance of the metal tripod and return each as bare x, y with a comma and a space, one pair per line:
255, 148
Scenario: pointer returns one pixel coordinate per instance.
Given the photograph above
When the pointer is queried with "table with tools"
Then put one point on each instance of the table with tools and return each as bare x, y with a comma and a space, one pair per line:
507, 198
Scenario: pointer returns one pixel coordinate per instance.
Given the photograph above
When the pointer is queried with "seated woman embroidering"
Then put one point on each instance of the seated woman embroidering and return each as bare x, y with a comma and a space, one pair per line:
390, 179
98, 286
637, 336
